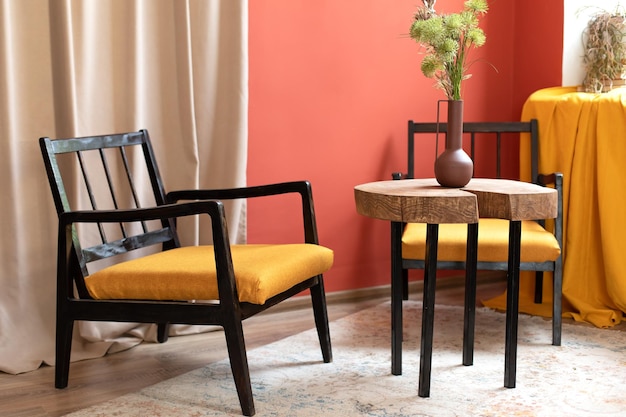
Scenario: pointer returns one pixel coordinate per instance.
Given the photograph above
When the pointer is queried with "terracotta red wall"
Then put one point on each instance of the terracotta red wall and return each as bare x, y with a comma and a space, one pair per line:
332, 86
538, 45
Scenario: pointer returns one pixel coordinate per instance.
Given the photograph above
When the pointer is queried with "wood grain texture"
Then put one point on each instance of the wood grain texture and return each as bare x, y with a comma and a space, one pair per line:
513, 200
415, 201
425, 201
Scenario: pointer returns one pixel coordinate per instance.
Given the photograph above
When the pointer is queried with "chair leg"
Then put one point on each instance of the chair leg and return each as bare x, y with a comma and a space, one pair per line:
163, 330
557, 303
320, 312
235, 343
64, 329
538, 287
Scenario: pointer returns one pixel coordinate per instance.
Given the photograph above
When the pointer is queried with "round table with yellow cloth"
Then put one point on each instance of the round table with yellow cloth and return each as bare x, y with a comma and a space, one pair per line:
582, 135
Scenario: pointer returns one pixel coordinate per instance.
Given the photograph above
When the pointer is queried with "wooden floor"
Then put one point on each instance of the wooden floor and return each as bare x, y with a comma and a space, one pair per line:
93, 381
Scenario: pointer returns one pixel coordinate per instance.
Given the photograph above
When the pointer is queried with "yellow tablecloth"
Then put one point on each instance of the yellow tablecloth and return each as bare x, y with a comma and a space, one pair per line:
583, 135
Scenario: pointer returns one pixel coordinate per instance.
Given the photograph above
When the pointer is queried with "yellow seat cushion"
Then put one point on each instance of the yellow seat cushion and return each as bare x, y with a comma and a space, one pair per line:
188, 273
538, 245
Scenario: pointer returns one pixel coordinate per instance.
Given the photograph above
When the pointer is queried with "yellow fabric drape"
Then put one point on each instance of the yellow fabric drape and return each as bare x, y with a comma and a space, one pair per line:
583, 136
84, 67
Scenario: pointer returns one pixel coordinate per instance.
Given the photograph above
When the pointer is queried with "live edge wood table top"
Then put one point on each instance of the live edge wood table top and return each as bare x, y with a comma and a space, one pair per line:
425, 201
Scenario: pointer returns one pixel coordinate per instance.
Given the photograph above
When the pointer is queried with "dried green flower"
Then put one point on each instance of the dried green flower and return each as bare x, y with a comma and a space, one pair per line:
477, 7
447, 40
430, 66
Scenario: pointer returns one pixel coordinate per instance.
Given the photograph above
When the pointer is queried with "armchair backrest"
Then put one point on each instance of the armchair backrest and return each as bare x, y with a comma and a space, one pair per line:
109, 172
497, 132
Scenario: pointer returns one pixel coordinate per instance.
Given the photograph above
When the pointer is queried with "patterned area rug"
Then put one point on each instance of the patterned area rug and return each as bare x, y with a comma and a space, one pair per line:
584, 377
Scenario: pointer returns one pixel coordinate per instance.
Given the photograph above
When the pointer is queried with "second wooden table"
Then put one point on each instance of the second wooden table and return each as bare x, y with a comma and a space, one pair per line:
424, 201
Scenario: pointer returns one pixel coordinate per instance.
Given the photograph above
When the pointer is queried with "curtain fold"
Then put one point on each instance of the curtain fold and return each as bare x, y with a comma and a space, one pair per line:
86, 67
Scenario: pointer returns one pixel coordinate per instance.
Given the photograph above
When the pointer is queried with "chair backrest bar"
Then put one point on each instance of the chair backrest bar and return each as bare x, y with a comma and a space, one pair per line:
108, 173
476, 130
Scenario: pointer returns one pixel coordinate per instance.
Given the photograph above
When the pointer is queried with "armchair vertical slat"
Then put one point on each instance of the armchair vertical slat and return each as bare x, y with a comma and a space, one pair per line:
89, 189
154, 288
131, 183
107, 173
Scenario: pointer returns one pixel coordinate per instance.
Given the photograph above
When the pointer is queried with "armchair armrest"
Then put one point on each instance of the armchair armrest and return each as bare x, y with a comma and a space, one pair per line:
301, 187
139, 214
165, 235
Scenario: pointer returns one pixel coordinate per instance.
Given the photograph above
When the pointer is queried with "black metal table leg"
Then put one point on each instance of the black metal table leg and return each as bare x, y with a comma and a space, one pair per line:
469, 320
428, 309
396, 298
512, 304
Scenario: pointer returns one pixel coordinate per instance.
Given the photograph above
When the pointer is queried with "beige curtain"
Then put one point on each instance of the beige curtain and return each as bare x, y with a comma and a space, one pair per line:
84, 67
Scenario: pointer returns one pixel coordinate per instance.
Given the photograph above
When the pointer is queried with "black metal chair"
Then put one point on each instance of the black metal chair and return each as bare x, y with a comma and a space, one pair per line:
219, 284
540, 246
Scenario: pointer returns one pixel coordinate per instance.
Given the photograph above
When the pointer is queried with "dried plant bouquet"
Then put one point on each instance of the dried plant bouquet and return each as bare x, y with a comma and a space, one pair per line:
605, 52
447, 40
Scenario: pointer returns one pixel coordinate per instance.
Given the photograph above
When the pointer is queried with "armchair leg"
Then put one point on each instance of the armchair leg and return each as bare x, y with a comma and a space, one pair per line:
64, 331
163, 330
239, 363
318, 299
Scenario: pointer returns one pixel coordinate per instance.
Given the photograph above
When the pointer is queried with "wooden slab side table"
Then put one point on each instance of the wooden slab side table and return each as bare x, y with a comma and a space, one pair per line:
420, 201
424, 201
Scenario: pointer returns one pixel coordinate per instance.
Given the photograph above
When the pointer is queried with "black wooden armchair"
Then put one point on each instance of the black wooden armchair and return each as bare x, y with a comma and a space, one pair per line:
219, 284
540, 246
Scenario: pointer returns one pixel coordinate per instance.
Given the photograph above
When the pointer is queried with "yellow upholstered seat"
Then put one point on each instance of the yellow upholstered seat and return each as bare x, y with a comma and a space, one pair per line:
537, 245
189, 273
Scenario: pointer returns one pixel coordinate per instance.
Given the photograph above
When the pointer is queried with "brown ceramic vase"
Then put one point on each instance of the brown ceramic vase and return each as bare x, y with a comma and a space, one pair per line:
454, 168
